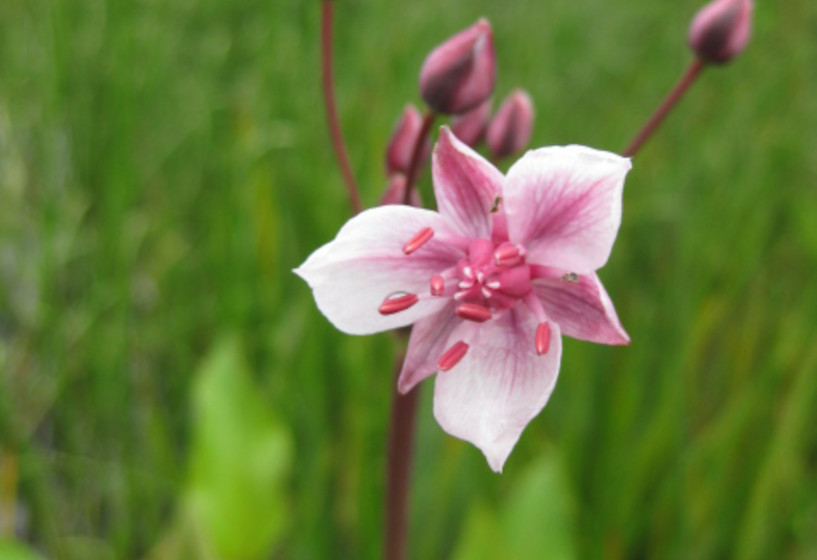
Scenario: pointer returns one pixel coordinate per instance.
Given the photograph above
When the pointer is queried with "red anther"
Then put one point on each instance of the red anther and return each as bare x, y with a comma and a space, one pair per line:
418, 240
507, 255
452, 356
542, 338
437, 285
396, 304
474, 312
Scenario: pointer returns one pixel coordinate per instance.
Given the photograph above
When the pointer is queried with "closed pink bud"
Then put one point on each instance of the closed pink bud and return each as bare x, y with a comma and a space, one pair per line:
396, 192
720, 30
460, 74
470, 127
511, 126
403, 140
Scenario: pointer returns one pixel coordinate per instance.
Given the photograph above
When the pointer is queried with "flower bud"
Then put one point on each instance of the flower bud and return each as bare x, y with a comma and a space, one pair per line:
403, 140
511, 126
460, 74
396, 192
470, 127
720, 30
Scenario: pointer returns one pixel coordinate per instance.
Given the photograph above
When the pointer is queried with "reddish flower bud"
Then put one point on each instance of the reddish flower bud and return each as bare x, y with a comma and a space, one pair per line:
470, 127
511, 126
403, 139
460, 74
720, 30
396, 191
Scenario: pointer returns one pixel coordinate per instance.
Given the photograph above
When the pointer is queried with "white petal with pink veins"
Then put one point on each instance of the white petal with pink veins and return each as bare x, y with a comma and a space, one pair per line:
365, 263
499, 386
429, 337
564, 205
465, 185
581, 306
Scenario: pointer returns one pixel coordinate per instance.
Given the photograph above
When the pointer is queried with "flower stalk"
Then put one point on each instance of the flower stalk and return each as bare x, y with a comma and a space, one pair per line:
692, 72
404, 408
417, 154
398, 467
335, 131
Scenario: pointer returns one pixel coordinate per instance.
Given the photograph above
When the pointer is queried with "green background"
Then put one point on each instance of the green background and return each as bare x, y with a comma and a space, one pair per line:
169, 390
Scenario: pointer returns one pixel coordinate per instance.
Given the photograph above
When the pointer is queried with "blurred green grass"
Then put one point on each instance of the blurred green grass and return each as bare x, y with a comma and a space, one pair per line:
164, 165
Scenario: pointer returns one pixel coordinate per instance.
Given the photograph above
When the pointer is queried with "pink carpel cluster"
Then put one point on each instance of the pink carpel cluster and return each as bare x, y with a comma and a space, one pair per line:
490, 282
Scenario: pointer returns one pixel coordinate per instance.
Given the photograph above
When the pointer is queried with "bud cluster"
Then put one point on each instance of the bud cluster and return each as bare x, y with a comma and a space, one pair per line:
458, 77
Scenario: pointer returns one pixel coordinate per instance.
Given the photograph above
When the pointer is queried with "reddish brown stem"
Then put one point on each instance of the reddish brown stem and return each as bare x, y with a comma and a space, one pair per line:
331, 109
689, 77
403, 410
398, 469
417, 153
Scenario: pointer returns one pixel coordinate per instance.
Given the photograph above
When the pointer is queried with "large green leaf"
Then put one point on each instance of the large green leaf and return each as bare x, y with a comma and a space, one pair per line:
240, 460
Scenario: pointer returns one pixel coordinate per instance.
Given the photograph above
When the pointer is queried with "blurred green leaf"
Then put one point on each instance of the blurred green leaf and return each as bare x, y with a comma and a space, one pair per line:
536, 519
481, 538
13, 550
240, 460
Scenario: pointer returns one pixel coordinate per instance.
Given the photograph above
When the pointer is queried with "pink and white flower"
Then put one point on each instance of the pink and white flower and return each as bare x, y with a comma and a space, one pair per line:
490, 282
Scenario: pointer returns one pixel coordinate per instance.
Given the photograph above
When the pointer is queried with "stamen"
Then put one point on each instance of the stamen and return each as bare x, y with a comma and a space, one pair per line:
474, 312
486, 292
452, 356
507, 255
468, 272
396, 303
465, 284
418, 240
494, 284
535, 305
437, 285
542, 338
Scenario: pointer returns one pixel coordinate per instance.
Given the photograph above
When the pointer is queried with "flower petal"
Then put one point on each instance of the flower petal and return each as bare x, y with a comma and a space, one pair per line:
429, 337
564, 205
581, 307
499, 386
352, 275
465, 185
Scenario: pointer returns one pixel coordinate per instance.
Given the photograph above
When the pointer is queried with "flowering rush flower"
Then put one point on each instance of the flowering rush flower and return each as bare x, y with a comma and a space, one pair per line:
490, 282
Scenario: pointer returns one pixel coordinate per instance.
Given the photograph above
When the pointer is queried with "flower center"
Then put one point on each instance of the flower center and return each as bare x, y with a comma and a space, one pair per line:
493, 277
